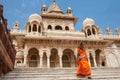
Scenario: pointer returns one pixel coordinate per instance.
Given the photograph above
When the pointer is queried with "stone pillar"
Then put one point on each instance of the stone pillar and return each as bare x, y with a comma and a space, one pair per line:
96, 32
88, 56
60, 58
32, 28
95, 65
37, 28
100, 63
91, 30
41, 65
48, 61
41, 59
25, 60
48, 58
86, 32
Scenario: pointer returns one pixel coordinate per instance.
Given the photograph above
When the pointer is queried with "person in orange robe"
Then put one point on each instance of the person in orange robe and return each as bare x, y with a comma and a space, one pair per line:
83, 65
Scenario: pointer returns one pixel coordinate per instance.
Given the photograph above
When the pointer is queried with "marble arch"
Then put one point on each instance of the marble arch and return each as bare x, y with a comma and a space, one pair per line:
33, 57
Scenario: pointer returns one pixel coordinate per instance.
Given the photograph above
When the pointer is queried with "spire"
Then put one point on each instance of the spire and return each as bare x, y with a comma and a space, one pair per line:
54, 8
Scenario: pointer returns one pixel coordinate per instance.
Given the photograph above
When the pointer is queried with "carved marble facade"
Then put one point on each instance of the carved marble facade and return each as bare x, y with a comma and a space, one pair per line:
50, 40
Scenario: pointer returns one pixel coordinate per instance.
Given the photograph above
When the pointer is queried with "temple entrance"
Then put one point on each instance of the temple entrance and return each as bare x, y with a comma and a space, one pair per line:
54, 58
33, 57
68, 58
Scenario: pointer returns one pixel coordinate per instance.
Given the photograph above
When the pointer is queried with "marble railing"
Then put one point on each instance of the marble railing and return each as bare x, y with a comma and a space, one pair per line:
18, 32
103, 36
50, 33
111, 36
62, 34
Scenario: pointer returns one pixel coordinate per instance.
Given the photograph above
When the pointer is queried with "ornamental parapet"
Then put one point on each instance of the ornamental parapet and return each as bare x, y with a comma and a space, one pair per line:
65, 33
102, 37
16, 32
111, 37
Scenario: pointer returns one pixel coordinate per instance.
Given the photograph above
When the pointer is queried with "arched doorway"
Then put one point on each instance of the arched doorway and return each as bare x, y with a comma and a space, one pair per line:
97, 57
68, 58
33, 57
18, 63
100, 58
103, 59
54, 58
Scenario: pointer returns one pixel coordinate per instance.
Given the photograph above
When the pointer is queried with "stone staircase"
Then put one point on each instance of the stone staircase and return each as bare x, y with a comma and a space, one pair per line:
60, 74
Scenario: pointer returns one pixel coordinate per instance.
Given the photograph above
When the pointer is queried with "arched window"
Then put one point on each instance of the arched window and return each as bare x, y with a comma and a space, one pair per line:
34, 27
66, 28
93, 31
88, 32
44, 9
30, 28
39, 29
49, 27
58, 28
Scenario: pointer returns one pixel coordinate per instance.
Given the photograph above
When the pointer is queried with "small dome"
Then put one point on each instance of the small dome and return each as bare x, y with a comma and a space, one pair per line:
20, 54
35, 17
69, 8
44, 5
88, 21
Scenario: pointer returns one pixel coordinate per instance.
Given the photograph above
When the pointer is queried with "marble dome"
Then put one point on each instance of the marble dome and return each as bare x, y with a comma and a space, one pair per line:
88, 21
35, 17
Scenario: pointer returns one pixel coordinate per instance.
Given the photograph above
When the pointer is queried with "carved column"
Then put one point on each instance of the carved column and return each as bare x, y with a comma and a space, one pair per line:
32, 28
60, 57
86, 32
48, 61
48, 58
41, 58
95, 65
25, 55
25, 60
89, 60
91, 30
96, 33
37, 28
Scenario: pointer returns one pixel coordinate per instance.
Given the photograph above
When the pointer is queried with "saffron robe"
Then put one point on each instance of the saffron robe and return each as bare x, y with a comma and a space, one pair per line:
83, 65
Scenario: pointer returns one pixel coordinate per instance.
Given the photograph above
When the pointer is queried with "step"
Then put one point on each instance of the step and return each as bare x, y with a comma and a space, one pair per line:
60, 74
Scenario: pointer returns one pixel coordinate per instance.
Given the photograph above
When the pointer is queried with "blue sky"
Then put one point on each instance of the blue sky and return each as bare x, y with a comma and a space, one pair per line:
106, 13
